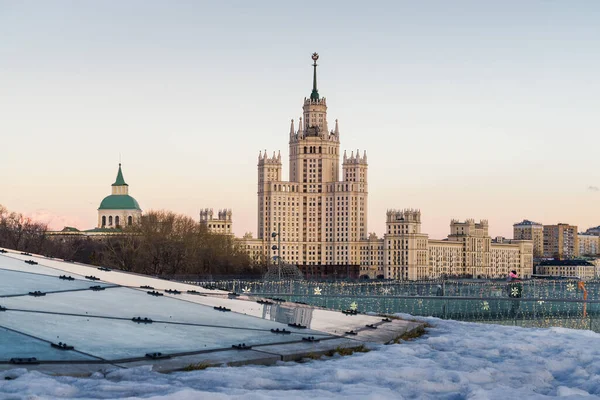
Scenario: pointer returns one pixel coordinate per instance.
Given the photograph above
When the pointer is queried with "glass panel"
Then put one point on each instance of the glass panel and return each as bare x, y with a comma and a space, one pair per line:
16, 264
130, 303
16, 345
117, 277
117, 339
19, 283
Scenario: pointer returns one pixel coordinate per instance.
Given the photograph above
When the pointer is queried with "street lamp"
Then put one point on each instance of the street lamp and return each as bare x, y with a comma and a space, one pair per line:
278, 248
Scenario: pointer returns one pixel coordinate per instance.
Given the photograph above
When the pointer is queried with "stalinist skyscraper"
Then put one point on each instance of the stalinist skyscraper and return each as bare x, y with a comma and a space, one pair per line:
322, 218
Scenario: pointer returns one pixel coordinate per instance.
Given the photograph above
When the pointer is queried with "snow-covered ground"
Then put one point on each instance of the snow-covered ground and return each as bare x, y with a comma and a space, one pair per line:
455, 360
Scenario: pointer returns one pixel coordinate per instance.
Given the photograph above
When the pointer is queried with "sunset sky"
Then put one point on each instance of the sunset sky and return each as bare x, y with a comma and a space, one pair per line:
467, 109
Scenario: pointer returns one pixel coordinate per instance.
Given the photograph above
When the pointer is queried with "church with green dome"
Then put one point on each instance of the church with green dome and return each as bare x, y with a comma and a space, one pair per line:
119, 209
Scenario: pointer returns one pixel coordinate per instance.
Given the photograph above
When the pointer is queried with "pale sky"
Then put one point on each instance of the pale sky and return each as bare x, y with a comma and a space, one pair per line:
467, 109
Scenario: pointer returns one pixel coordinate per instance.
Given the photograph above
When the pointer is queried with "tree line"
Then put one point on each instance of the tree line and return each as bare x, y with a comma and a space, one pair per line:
161, 243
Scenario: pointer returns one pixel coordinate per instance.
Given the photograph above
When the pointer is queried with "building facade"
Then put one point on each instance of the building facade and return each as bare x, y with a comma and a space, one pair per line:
529, 230
589, 245
222, 224
580, 269
468, 251
561, 241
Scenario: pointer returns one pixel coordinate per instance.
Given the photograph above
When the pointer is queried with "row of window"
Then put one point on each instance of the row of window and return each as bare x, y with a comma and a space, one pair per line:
117, 221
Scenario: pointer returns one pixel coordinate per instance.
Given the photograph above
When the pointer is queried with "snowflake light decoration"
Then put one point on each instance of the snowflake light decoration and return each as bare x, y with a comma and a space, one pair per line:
420, 302
570, 287
246, 290
318, 291
485, 306
540, 302
386, 291
514, 292
353, 306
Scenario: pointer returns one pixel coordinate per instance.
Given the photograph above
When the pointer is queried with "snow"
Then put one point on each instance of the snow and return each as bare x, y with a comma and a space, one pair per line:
454, 360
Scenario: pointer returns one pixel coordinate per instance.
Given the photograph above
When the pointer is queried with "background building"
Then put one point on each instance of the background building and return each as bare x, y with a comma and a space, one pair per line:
561, 241
371, 257
222, 225
529, 230
580, 269
116, 211
467, 252
589, 245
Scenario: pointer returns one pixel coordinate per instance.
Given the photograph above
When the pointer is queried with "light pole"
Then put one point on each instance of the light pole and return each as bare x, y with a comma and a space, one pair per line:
278, 248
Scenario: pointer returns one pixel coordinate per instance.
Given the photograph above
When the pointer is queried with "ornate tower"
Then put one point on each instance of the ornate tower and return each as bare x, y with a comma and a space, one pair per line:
314, 152
269, 175
320, 219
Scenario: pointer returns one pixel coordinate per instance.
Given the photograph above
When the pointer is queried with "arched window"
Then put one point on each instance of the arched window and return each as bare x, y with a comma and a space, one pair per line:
129, 220
110, 221
117, 220
319, 149
103, 221
304, 149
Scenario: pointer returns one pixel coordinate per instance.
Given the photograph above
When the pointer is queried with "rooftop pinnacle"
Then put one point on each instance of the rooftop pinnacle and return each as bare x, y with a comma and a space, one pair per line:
315, 93
120, 181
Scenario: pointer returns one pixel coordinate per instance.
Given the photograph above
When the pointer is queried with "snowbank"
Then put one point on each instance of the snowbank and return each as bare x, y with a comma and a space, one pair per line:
455, 360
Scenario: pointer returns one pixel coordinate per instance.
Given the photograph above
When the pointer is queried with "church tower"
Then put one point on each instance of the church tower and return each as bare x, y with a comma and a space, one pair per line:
119, 209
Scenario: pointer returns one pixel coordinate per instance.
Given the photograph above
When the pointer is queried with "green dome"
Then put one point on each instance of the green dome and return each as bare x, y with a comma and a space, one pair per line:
119, 202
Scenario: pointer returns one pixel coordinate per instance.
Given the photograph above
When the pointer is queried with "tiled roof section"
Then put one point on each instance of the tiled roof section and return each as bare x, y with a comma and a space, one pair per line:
527, 222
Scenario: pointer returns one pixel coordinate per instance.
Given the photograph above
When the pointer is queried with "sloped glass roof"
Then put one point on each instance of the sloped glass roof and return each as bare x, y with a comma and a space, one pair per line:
59, 312
120, 302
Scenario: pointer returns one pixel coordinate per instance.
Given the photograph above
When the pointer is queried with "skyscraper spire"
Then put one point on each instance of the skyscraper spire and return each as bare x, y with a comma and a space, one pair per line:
292, 128
315, 93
